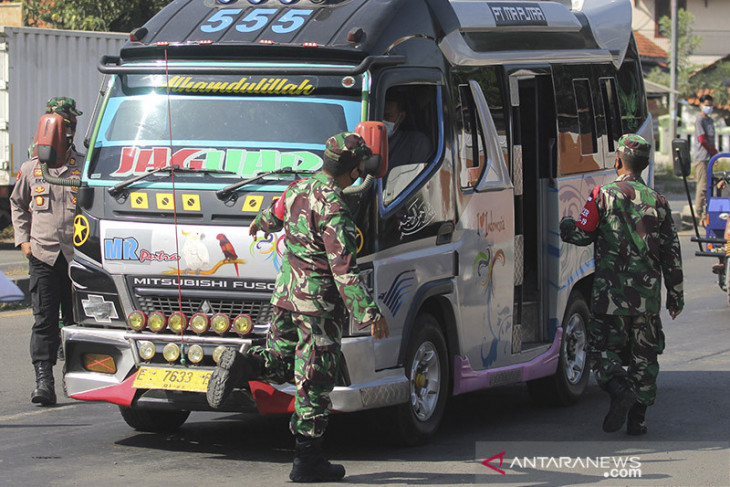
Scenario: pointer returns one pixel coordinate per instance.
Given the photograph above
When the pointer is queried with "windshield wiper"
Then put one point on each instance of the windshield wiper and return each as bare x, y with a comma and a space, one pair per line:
114, 190
225, 193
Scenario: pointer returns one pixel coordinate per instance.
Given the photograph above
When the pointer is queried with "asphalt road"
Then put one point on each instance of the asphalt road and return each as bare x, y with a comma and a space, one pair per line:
79, 443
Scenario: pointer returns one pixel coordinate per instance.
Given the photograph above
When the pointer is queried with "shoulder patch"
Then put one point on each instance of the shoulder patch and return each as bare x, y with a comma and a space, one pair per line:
589, 217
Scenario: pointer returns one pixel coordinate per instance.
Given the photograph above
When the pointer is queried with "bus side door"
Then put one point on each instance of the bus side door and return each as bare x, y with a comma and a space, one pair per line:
485, 227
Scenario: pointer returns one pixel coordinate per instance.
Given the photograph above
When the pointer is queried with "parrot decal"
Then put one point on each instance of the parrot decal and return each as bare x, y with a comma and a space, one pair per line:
228, 251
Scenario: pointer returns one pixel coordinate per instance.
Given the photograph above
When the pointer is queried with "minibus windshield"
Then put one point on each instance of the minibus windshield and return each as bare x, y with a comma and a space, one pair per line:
237, 135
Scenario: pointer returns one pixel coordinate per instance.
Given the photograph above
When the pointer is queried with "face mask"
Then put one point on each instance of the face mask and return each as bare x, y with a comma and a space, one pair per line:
707, 109
389, 127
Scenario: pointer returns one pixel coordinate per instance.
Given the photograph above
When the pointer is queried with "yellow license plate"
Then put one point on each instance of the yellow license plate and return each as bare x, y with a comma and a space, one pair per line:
172, 379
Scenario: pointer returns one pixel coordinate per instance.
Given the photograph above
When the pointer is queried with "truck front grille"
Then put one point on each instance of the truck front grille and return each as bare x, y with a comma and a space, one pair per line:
259, 311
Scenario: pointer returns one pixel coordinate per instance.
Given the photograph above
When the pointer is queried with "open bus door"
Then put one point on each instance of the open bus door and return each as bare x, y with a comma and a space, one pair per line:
533, 161
485, 196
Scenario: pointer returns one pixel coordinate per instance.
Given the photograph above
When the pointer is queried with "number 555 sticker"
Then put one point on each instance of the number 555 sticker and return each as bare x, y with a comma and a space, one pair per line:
256, 19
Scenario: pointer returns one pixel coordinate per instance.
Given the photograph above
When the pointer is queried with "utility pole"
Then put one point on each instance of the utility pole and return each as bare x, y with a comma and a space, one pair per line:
673, 76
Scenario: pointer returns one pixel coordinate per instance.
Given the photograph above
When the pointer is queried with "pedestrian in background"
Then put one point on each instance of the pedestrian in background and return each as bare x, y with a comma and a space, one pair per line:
635, 243
704, 149
43, 216
317, 284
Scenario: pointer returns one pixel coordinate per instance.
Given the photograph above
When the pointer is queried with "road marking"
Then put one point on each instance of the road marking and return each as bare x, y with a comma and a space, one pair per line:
23, 312
29, 413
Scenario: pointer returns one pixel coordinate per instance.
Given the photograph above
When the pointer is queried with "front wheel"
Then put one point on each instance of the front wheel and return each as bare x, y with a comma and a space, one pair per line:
427, 369
153, 420
571, 379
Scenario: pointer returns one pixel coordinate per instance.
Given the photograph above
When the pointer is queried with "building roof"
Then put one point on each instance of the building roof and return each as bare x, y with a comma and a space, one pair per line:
648, 49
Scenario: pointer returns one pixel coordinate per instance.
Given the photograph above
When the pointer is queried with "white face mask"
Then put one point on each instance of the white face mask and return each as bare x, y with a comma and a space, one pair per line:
706, 109
389, 127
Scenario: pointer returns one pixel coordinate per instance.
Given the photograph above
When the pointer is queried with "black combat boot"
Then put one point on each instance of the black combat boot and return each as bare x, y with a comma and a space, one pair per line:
636, 424
44, 393
234, 370
622, 398
310, 465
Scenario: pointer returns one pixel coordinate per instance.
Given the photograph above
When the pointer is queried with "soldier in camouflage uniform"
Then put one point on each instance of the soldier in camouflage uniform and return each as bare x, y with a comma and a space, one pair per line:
318, 283
635, 244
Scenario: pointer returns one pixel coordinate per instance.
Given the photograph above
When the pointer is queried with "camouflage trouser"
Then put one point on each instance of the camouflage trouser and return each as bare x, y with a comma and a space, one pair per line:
614, 341
307, 349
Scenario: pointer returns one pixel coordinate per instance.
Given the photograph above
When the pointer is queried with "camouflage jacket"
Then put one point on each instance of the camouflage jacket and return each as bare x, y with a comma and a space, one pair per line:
319, 270
635, 243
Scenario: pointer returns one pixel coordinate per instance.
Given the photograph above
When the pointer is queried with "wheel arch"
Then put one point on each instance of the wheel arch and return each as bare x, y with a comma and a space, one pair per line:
431, 298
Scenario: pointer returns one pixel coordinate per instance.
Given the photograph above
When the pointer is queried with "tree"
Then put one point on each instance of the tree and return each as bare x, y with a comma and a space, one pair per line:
110, 15
687, 44
715, 78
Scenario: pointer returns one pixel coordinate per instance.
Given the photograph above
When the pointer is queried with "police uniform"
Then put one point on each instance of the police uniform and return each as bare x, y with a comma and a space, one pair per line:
635, 244
43, 215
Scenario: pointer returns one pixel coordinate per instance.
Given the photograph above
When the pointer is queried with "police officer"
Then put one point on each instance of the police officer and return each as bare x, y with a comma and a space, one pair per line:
318, 283
43, 222
635, 244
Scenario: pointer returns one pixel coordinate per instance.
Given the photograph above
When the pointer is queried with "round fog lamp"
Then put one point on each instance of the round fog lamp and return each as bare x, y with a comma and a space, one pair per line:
146, 350
177, 322
220, 323
171, 352
196, 354
199, 323
156, 321
242, 324
218, 352
137, 320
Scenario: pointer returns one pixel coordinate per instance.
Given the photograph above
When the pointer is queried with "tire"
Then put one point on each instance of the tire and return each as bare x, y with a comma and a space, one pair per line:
571, 379
427, 370
152, 420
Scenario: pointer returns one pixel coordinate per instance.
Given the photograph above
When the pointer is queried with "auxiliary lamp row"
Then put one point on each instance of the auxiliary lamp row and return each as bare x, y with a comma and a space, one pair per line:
172, 352
199, 323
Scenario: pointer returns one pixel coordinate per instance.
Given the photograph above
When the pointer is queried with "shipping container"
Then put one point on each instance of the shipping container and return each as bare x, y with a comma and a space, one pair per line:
35, 65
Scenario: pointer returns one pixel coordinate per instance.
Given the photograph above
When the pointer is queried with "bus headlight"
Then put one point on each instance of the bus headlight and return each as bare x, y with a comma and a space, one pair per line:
171, 352
156, 321
220, 323
199, 323
137, 320
146, 350
196, 354
177, 322
242, 324
218, 352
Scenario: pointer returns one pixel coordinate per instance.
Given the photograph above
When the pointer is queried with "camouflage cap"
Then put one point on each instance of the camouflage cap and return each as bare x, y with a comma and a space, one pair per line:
62, 105
634, 145
347, 147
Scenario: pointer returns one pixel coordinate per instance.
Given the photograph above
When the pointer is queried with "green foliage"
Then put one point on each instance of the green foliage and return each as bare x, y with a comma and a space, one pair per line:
714, 79
687, 43
110, 15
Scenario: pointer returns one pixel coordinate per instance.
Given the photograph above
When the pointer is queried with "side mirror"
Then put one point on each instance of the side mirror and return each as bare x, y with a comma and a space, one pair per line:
51, 140
680, 157
376, 137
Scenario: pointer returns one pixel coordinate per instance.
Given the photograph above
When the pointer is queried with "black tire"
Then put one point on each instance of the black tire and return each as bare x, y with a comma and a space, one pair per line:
153, 420
571, 379
429, 379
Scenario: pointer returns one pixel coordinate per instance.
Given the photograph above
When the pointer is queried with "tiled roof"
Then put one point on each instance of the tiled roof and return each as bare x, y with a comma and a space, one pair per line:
648, 49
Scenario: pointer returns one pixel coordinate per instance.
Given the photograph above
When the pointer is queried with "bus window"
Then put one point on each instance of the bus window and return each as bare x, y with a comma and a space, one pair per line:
632, 104
471, 140
586, 121
610, 107
411, 117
